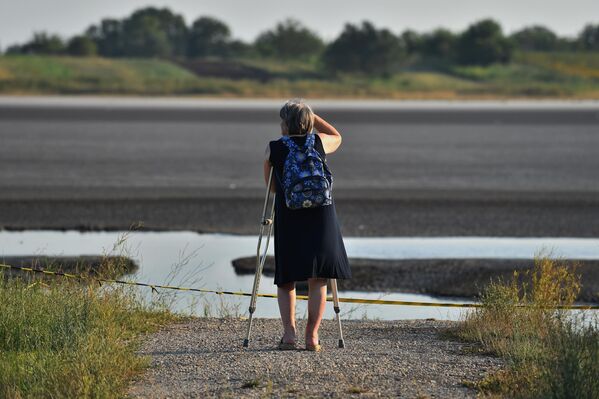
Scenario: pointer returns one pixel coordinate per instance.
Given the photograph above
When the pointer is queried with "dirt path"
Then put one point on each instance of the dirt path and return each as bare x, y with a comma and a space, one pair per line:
203, 357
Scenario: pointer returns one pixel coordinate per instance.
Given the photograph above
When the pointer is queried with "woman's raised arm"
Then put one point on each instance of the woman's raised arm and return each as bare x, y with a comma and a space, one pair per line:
330, 137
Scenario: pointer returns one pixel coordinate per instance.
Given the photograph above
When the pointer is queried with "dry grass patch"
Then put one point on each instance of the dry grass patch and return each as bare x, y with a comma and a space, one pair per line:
550, 353
64, 338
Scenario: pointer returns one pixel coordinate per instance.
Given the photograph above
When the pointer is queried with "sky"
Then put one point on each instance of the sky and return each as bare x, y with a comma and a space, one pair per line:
20, 18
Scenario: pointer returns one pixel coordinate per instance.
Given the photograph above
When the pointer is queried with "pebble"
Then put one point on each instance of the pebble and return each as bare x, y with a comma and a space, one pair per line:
204, 357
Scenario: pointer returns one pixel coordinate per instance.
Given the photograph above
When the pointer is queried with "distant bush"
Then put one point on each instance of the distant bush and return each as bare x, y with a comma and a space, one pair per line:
364, 49
412, 41
41, 43
208, 37
108, 36
82, 46
589, 38
152, 32
148, 32
483, 43
159, 32
441, 43
535, 38
289, 40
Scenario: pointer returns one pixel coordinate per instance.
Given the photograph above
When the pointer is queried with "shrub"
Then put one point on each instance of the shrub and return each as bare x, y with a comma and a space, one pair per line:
364, 49
289, 40
68, 340
550, 353
82, 46
483, 43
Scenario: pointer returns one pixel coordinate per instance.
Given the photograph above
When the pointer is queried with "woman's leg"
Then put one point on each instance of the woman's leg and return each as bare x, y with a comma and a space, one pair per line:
317, 297
286, 299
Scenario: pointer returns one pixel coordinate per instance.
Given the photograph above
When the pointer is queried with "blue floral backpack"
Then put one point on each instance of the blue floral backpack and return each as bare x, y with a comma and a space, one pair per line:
307, 180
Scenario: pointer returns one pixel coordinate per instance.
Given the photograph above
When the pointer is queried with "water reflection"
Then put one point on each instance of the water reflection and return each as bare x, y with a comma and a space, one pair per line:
204, 261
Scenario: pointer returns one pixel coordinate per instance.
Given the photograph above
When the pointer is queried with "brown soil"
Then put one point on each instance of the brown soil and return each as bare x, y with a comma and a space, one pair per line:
443, 277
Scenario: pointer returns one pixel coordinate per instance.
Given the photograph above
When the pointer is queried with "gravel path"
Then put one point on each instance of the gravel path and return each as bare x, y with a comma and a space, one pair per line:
203, 357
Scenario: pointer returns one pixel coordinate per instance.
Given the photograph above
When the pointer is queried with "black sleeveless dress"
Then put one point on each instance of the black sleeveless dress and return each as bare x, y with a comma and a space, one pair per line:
308, 242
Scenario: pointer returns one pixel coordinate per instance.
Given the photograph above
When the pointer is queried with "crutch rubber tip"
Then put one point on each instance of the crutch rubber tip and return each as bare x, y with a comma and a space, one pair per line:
246, 343
341, 343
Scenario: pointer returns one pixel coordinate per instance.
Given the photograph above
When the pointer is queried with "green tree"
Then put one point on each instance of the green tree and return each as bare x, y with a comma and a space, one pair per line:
13, 49
108, 36
588, 39
143, 37
42, 43
364, 49
535, 38
239, 48
208, 36
148, 32
153, 32
288, 40
483, 43
82, 46
412, 41
440, 43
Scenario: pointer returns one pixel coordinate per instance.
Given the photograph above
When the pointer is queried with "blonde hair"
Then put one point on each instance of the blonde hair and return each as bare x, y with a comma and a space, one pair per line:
298, 116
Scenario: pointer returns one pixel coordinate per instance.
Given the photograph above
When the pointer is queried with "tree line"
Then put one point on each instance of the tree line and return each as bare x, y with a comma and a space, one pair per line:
153, 32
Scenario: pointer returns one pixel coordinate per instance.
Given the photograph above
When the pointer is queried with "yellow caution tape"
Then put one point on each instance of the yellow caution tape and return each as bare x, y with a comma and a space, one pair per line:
155, 288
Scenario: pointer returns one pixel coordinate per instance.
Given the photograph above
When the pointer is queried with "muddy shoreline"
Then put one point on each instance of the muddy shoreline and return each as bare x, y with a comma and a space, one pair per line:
105, 266
362, 213
439, 277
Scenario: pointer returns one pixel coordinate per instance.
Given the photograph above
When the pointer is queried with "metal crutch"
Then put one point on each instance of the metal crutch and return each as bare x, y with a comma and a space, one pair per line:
336, 308
265, 224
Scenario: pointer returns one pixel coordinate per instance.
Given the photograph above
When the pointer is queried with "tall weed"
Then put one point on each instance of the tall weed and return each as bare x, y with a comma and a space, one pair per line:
550, 352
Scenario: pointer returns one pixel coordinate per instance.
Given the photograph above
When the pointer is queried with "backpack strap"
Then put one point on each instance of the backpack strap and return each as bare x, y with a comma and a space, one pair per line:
289, 143
310, 140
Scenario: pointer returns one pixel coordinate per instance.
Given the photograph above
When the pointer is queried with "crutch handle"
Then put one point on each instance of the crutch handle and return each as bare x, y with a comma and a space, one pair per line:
266, 222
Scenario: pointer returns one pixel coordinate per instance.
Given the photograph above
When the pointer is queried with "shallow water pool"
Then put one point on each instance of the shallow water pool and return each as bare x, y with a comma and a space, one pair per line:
204, 261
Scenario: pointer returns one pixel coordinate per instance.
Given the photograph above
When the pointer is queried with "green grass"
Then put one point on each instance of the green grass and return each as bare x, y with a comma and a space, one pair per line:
61, 339
530, 75
284, 68
52, 74
71, 75
549, 353
575, 64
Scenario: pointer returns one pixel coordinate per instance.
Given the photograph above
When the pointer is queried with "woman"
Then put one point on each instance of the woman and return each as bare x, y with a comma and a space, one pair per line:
308, 242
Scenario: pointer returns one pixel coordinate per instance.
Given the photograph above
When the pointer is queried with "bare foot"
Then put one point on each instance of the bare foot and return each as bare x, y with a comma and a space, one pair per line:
311, 340
290, 337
